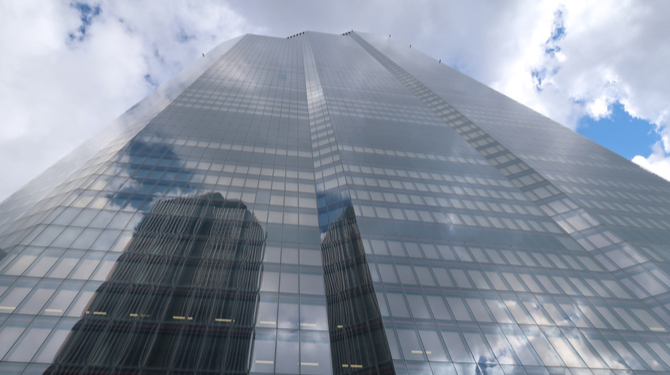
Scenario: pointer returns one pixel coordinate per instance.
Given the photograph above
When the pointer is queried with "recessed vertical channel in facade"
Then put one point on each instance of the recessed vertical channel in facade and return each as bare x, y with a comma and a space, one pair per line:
358, 341
335, 204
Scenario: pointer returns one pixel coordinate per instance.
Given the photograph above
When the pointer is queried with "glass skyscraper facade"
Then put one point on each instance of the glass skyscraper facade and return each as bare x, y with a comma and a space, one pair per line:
335, 204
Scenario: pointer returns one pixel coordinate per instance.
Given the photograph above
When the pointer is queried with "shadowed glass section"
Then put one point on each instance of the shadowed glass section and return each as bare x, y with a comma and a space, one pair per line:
358, 342
182, 296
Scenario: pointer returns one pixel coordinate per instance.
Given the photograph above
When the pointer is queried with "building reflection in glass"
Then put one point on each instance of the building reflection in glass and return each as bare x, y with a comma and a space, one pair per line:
183, 296
358, 341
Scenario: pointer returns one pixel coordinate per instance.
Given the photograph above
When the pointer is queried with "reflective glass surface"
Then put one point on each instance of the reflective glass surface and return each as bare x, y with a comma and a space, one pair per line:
340, 204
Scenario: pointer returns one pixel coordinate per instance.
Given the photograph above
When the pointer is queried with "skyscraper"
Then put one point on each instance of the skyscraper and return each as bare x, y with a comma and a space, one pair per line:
182, 295
335, 204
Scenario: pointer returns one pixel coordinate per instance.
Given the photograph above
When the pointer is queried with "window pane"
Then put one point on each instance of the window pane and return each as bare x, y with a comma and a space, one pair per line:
288, 349
433, 345
32, 339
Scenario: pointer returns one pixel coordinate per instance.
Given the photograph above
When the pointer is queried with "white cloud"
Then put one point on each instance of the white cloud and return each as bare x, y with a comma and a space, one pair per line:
606, 54
609, 54
658, 162
57, 91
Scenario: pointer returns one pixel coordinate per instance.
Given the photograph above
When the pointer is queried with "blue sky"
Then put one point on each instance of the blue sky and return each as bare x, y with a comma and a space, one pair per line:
69, 68
620, 132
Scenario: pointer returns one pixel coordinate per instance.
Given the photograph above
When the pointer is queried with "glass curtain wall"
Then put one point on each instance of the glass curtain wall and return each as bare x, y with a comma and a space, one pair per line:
342, 204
